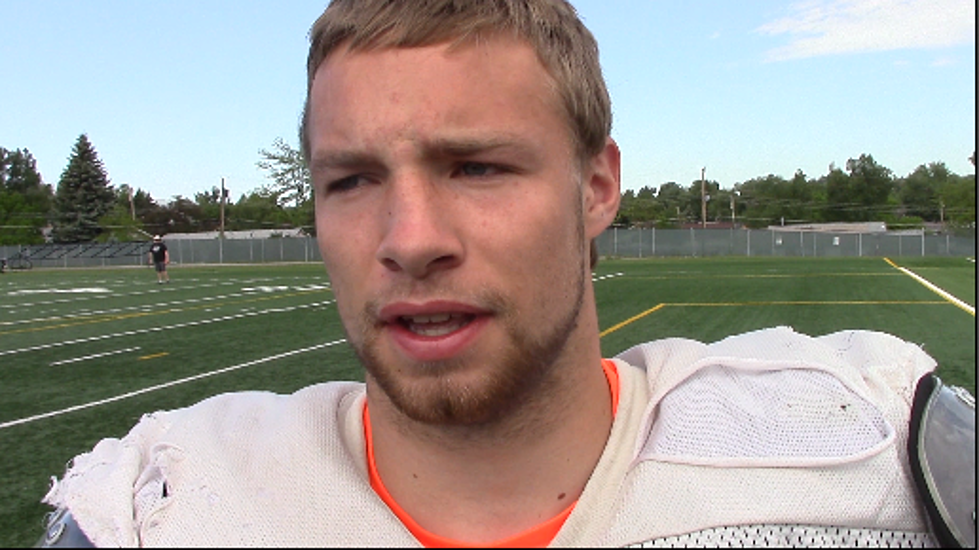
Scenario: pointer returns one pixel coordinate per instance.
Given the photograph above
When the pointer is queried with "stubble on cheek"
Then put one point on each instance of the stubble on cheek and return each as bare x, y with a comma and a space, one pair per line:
479, 387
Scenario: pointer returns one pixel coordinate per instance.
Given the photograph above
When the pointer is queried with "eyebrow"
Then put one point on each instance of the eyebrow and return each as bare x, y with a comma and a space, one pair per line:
467, 146
438, 148
340, 159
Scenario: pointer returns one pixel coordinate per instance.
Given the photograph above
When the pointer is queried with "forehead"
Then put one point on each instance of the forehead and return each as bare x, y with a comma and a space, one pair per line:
491, 82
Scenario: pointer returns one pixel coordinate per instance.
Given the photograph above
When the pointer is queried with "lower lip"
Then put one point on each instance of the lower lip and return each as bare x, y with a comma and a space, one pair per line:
436, 348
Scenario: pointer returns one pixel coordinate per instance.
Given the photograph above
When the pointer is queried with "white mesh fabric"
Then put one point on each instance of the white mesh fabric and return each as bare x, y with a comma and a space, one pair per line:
239, 469
667, 495
725, 413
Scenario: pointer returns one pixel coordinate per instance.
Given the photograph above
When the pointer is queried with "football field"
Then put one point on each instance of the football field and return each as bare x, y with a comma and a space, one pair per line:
84, 353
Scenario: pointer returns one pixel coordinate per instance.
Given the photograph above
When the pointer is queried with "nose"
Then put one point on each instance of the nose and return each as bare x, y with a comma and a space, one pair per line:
420, 237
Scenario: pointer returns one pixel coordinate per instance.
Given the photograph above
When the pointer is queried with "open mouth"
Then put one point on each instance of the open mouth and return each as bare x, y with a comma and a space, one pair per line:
435, 325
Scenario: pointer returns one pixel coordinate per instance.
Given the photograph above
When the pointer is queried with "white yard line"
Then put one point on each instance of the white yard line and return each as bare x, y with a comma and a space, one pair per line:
167, 385
160, 329
246, 292
153, 289
595, 278
95, 356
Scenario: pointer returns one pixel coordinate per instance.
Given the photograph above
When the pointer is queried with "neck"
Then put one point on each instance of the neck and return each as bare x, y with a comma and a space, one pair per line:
488, 483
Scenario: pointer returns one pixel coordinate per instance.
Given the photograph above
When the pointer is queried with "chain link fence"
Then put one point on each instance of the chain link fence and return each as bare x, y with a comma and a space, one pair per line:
614, 242
182, 251
642, 243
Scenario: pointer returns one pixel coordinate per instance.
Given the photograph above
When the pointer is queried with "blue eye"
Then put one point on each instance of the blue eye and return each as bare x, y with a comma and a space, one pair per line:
344, 184
478, 169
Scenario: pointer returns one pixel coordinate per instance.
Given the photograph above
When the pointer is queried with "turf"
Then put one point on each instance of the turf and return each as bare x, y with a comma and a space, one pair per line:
118, 345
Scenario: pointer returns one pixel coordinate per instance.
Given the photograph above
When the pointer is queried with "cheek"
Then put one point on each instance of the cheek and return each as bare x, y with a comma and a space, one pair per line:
547, 249
340, 258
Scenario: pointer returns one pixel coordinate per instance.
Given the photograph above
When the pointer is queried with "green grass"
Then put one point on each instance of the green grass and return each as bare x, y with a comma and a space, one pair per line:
232, 317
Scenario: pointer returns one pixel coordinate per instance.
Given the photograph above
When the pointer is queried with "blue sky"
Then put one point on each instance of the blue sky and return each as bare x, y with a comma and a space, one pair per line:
176, 95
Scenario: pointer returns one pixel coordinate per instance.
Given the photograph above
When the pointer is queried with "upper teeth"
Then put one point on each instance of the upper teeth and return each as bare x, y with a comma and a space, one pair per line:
424, 319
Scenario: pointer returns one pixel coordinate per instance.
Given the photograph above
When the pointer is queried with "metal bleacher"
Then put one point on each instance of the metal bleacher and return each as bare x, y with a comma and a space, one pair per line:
78, 254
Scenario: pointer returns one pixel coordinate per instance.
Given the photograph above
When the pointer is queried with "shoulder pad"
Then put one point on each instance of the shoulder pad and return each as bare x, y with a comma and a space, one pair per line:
61, 531
942, 451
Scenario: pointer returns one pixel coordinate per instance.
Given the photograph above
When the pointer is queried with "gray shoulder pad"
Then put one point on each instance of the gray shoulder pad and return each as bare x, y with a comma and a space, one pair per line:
942, 451
61, 531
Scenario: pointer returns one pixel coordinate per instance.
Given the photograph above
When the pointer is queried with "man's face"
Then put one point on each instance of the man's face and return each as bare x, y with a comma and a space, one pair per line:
449, 217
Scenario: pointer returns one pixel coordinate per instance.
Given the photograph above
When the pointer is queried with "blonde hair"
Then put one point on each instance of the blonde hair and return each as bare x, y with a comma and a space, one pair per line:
566, 49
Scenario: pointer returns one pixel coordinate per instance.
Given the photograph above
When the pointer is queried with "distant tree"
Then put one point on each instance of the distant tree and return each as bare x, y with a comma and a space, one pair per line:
122, 222
762, 204
673, 202
638, 208
840, 206
260, 210
83, 196
145, 206
870, 187
693, 200
25, 200
18, 171
918, 193
958, 198
185, 216
285, 166
210, 209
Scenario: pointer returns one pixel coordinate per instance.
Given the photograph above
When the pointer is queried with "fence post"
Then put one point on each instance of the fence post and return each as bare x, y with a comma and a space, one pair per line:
653, 238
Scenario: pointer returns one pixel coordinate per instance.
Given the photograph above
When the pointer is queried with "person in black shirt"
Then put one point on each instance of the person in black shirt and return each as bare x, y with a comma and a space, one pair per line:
159, 257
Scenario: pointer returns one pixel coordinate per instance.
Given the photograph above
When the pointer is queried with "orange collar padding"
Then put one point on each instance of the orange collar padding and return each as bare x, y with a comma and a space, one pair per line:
535, 537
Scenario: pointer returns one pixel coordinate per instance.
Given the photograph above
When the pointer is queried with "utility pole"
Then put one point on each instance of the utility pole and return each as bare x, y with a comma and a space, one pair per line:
703, 197
132, 207
734, 214
222, 208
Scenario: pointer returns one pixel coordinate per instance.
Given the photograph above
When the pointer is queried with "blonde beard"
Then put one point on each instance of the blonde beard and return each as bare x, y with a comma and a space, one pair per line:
521, 373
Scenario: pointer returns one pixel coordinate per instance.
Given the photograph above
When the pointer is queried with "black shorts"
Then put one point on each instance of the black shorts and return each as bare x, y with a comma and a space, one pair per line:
160, 266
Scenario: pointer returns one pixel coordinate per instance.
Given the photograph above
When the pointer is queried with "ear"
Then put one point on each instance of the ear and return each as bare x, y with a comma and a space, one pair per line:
602, 191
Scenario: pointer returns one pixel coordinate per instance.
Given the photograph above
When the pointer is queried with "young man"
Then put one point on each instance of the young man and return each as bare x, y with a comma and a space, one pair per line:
462, 165
159, 257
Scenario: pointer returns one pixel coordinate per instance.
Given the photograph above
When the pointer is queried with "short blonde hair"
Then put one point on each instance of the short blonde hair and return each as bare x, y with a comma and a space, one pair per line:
566, 49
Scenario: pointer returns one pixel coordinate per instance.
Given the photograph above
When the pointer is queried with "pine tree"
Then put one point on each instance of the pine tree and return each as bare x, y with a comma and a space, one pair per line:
83, 196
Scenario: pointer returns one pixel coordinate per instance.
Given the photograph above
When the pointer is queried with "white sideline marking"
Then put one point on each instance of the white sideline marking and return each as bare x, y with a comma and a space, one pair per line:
147, 291
939, 291
595, 279
265, 289
160, 329
166, 385
60, 291
95, 356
